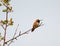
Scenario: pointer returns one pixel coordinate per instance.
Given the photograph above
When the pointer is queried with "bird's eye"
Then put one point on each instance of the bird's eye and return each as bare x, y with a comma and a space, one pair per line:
38, 21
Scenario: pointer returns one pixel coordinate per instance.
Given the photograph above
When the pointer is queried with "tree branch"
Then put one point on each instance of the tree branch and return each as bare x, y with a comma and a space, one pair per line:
15, 31
13, 35
5, 27
20, 34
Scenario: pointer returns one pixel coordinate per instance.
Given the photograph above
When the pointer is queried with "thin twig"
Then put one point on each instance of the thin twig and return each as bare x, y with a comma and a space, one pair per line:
4, 4
18, 35
14, 35
5, 27
15, 31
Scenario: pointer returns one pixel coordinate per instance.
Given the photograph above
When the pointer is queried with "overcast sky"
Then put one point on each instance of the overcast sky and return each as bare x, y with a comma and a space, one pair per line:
25, 12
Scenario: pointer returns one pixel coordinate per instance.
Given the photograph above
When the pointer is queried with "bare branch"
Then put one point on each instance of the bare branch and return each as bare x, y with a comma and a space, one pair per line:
20, 34
14, 35
41, 24
15, 31
3, 27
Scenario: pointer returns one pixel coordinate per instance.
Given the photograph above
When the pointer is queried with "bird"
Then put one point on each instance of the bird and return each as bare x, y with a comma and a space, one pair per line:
35, 24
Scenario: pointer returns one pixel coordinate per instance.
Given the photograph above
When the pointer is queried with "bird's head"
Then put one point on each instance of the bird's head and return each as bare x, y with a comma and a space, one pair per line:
38, 20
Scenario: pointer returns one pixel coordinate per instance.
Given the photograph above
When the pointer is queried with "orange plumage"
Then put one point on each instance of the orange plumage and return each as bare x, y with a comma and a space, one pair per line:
35, 24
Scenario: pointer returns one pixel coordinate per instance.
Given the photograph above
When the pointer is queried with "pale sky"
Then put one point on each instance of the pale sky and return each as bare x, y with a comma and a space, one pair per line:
25, 12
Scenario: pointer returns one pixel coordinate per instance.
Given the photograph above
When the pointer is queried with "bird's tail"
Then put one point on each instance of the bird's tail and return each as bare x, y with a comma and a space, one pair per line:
32, 29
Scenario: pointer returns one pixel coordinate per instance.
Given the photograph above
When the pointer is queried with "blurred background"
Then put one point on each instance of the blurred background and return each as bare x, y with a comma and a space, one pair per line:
25, 12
